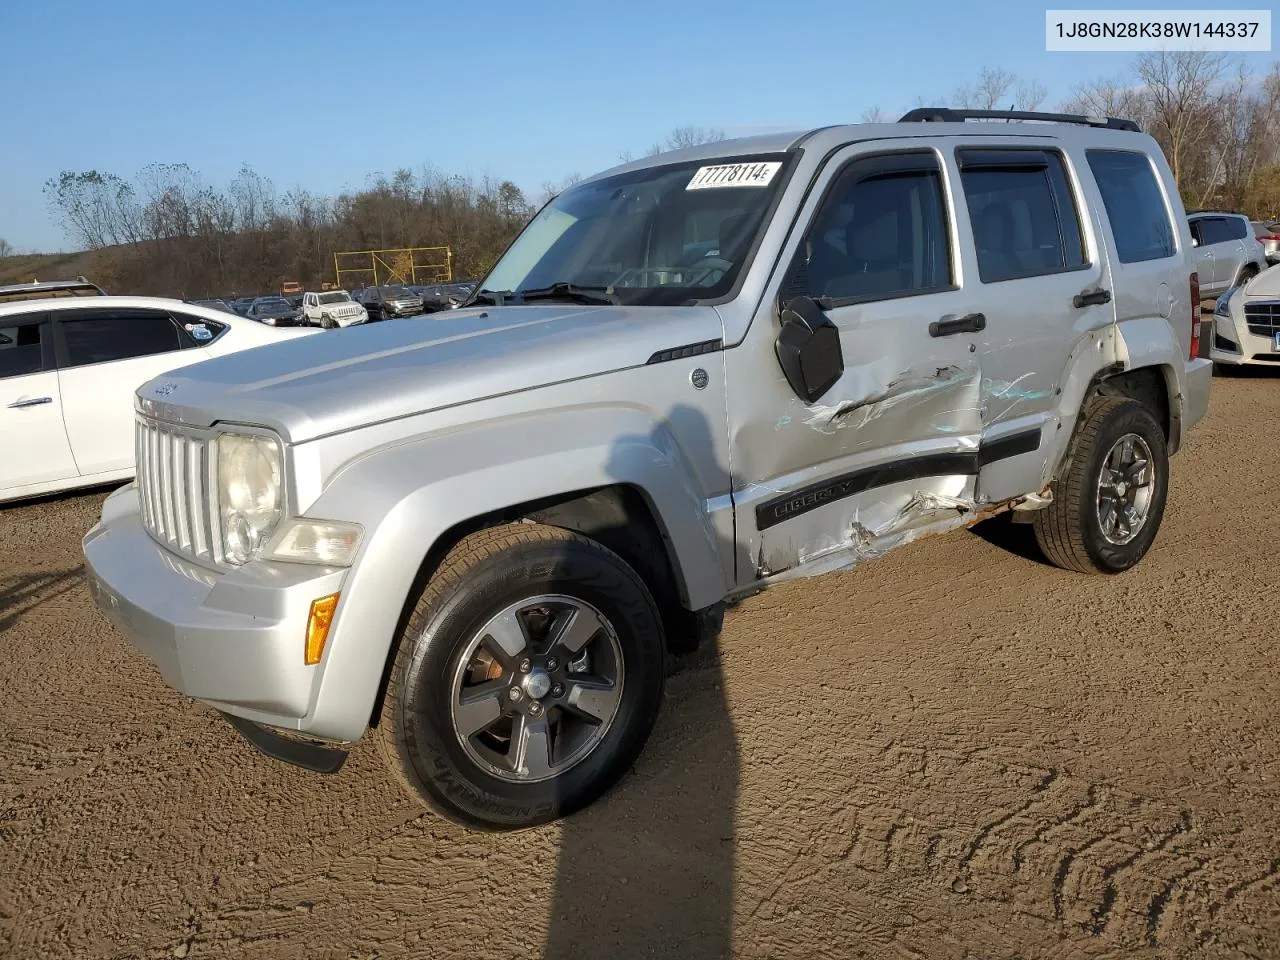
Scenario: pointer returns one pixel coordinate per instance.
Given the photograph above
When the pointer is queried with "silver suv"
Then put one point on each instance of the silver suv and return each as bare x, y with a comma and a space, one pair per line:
1228, 253
689, 377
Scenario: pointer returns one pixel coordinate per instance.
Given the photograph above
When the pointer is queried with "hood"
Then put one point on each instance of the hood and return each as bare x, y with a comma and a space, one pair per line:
355, 376
1265, 285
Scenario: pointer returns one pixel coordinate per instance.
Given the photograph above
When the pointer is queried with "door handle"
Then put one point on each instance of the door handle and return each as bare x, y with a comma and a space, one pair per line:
33, 402
951, 324
1094, 298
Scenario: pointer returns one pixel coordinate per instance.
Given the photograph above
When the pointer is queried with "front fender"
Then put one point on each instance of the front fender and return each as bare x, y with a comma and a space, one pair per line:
408, 494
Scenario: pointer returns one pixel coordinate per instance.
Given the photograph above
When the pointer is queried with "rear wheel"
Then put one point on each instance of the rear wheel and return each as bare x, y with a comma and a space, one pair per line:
1107, 508
527, 678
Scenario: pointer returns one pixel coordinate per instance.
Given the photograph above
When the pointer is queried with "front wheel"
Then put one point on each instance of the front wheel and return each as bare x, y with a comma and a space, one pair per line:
1107, 507
527, 678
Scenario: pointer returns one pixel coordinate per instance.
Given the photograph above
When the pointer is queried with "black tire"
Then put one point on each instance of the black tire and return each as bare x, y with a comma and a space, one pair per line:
1069, 530
326, 323
481, 576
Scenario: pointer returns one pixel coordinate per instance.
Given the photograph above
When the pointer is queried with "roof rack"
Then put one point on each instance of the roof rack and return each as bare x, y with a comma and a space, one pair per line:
948, 115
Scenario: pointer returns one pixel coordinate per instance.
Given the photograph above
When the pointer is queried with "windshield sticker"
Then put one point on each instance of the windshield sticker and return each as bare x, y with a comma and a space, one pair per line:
735, 175
201, 333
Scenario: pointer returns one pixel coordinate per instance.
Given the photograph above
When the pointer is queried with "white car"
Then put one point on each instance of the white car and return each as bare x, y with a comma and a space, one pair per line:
68, 371
332, 308
1246, 323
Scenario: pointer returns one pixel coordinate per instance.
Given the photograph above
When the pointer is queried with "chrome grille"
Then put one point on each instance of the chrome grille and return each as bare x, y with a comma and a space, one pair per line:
1263, 317
173, 487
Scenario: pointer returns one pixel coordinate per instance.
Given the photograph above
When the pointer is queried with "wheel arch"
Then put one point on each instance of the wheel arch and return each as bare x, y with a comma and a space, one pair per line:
617, 478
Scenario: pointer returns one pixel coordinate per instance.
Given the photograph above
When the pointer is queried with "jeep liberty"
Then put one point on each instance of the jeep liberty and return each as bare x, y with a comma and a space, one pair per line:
688, 378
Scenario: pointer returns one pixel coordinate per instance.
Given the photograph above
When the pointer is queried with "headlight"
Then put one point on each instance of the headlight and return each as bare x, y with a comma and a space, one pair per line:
1221, 306
250, 493
324, 542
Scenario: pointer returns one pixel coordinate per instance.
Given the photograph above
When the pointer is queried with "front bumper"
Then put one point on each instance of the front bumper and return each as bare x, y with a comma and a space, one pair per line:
233, 639
1230, 342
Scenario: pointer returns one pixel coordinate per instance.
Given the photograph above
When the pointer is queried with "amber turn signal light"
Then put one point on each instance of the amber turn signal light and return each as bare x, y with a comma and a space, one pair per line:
318, 626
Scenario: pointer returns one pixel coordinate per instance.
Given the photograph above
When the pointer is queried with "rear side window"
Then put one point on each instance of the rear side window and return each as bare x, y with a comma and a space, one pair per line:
1216, 230
881, 233
22, 347
1024, 216
1239, 228
1135, 205
100, 336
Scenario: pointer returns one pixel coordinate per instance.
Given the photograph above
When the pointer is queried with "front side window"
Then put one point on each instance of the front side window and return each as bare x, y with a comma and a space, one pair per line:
100, 336
881, 232
22, 347
656, 236
1022, 211
1135, 205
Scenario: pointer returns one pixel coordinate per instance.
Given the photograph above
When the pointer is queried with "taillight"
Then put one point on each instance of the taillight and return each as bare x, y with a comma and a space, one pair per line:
1270, 236
1195, 315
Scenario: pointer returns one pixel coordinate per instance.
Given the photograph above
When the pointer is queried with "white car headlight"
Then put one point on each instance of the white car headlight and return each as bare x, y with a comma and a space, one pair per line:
250, 493
327, 543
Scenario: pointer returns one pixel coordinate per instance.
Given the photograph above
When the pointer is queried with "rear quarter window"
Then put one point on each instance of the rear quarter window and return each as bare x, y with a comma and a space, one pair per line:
198, 331
1135, 205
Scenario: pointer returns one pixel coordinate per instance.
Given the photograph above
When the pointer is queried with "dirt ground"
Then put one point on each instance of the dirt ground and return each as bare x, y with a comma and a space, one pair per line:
953, 752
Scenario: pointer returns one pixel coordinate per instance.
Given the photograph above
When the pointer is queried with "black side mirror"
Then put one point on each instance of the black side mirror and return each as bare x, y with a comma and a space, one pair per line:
808, 348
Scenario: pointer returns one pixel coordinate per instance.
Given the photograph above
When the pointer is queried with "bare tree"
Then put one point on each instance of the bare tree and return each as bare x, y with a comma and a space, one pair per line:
874, 115
682, 137
987, 93
1029, 95
1109, 97
95, 209
6, 249
1180, 88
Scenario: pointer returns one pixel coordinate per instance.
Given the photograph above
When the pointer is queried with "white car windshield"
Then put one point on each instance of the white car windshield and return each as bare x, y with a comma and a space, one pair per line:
671, 234
334, 298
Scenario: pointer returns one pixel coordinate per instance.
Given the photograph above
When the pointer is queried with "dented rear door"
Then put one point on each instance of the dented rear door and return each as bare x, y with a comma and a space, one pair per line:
1040, 275
892, 450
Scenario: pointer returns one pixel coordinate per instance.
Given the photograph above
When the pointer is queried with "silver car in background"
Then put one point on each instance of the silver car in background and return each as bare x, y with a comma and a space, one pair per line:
1267, 233
1227, 252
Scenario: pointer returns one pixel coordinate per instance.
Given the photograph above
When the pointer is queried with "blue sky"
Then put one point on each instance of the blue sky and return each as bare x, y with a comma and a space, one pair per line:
320, 94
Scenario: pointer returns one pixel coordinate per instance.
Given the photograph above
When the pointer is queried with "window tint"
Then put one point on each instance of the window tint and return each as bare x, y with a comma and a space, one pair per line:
1237, 227
882, 232
1023, 214
98, 336
1215, 230
21, 347
1135, 206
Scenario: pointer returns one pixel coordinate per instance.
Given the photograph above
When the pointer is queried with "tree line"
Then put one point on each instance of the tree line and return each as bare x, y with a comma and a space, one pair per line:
165, 231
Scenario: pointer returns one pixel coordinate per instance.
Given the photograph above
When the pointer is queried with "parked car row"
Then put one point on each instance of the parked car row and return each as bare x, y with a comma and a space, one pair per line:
326, 308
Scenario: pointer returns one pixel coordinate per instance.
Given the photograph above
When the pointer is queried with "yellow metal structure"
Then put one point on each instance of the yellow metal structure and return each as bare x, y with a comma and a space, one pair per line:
405, 265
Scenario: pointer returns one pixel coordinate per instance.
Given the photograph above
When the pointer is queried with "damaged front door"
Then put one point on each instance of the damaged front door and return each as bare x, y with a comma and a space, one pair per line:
891, 448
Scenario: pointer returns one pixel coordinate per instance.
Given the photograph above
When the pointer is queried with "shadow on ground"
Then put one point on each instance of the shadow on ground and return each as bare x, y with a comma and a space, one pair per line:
23, 593
648, 871
1018, 539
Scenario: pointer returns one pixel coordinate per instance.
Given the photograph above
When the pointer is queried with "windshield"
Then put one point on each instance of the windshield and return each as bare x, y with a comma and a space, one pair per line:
272, 305
395, 292
334, 298
660, 235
